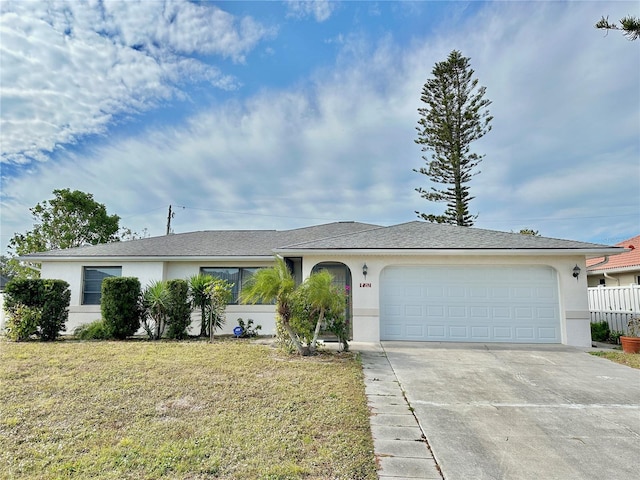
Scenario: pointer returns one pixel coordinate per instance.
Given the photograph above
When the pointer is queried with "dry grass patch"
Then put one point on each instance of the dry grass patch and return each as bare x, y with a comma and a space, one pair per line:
629, 359
183, 410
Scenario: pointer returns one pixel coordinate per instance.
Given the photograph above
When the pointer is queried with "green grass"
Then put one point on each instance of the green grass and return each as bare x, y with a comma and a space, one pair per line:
630, 359
187, 410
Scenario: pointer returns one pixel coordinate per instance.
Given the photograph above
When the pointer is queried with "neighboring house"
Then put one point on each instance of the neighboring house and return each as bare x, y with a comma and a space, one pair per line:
414, 281
619, 270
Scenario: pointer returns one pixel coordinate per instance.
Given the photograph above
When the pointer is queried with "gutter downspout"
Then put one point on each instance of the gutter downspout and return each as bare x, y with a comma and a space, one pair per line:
606, 259
606, 275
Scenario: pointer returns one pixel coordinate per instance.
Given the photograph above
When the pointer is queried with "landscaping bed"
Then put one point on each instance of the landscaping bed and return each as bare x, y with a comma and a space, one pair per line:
187, 410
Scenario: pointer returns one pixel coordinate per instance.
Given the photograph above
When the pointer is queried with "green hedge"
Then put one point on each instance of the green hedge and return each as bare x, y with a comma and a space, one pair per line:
47, 308
600, 331
179, 317
121, 306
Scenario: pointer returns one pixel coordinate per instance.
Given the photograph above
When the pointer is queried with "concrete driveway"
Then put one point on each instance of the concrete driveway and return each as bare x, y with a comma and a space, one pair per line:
493, 411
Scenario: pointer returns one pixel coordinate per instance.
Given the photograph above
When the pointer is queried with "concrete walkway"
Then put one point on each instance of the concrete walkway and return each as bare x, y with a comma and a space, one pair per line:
399, 443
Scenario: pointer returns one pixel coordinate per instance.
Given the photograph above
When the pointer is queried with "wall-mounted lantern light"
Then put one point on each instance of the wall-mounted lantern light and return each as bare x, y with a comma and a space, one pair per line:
365, 269
576, 272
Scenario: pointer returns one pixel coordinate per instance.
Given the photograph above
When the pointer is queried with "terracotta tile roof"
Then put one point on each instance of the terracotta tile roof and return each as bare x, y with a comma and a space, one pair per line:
628, 259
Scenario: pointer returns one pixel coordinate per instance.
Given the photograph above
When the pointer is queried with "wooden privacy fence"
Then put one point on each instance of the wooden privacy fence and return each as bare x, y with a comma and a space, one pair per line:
614, 305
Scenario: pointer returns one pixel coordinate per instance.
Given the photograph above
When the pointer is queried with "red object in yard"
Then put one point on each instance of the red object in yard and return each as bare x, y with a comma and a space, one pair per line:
630, 344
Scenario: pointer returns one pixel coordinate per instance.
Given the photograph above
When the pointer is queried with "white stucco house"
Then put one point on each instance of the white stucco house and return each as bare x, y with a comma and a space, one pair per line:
422, 281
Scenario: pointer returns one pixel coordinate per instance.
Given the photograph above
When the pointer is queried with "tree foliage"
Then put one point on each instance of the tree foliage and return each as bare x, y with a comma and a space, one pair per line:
454, 116
200, 299
157, 306
179, 317
121, 306
219, 294
318, 300
37, 307
70, 219
301, 310
211, 295
275, 283
630, 25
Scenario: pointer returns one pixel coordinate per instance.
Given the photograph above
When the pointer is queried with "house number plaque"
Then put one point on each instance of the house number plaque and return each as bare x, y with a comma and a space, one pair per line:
365, 285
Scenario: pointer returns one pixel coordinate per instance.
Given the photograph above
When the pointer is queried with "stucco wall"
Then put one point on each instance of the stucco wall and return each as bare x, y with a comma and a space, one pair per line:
147, 272
615, 279
574, 310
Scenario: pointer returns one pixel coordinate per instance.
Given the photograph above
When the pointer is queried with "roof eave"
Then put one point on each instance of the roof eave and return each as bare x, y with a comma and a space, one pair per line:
147, 258
587, 252
600, 271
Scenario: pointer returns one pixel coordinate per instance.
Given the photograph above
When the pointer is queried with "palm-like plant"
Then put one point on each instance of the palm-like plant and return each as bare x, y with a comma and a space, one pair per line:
157, 303
321, 295
200, 298
219, 295
275, 283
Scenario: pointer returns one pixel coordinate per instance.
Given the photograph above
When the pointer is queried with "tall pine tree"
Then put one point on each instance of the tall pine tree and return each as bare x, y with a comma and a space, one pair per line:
456, 114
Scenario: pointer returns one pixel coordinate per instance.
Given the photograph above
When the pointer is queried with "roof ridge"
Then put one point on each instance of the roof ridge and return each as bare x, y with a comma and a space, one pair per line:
377, 227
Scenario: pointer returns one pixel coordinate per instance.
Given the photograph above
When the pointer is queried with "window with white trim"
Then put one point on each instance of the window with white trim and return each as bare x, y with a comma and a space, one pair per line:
92, 282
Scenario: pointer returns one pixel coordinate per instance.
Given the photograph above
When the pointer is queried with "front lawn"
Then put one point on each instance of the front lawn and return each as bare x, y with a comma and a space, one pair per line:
184, 410
630, 359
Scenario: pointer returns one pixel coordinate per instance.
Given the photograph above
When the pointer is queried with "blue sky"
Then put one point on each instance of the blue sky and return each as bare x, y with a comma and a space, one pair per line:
277, 115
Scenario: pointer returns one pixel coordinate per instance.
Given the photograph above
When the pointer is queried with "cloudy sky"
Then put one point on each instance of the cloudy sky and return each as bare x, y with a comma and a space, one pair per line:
247, 115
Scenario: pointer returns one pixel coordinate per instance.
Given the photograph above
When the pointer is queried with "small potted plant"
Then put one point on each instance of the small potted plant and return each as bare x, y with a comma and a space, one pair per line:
631, 340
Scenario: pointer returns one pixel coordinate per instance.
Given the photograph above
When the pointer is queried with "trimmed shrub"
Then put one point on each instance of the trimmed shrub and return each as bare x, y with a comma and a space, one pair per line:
121, 306
55, 311
179, 317
600, 331
49, 297
96, 330
22, 322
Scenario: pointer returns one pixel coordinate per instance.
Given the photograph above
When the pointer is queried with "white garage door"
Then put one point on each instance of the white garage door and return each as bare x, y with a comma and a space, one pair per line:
470, 304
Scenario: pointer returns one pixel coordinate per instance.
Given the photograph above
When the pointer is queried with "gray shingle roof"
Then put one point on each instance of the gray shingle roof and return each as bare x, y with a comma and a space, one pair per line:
213, 243
333, 236
430, 236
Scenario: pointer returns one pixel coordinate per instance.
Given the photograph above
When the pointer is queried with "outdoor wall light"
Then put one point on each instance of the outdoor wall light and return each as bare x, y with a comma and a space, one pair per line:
576, 272
365, 269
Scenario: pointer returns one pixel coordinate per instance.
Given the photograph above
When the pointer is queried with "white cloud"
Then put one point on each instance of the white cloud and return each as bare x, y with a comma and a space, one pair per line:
68, 68
341, 146
321, 10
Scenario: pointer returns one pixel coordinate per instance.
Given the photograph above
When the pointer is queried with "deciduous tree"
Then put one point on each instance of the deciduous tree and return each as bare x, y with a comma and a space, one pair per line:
70, 219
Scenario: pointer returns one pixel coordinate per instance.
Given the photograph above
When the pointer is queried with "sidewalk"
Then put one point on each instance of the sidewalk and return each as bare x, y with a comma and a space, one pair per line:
400, 445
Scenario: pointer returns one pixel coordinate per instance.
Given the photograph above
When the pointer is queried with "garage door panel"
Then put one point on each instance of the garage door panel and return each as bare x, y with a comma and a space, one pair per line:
435, 332
501, 312
503, 334
481, 332
525, 333
492, 304
458, 333
415, 331
547, 333
479, 312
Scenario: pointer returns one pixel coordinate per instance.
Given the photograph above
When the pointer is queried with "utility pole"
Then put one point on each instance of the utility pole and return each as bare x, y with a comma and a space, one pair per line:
169, 217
